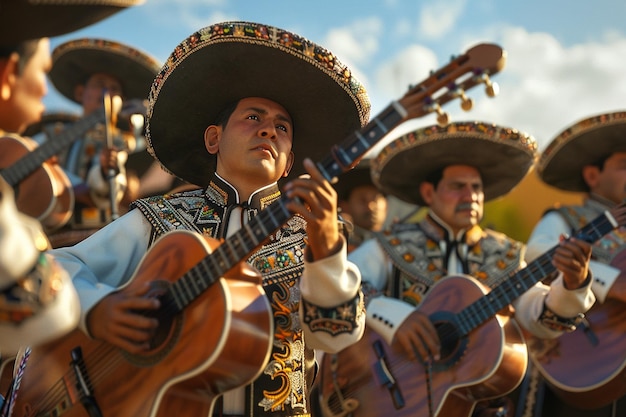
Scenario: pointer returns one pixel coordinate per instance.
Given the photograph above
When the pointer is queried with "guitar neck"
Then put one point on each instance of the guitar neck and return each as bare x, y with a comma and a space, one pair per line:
508, 291
242, 243
26, 165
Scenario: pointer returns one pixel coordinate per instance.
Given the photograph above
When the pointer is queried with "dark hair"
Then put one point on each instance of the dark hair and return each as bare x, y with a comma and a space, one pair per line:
225, 113
601, 161
25, 50
435, 176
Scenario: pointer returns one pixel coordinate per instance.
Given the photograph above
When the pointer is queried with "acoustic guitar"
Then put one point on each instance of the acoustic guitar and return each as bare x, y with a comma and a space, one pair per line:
483, 352
587, 368
216, 328
42, 189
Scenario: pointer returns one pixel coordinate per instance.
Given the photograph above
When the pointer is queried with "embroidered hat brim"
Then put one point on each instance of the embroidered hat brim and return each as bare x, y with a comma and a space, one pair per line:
50, 120
225, 62
502, 155
22, 20
73, 62
585, 143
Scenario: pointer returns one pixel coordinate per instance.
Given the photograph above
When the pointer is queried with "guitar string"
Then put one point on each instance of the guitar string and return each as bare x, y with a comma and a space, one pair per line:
53, 398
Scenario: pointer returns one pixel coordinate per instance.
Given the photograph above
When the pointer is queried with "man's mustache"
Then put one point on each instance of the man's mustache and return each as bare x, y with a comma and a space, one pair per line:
466, 206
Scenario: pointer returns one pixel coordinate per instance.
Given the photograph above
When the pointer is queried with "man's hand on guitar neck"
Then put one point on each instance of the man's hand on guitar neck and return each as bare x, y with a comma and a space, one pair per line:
572, 258
116, 319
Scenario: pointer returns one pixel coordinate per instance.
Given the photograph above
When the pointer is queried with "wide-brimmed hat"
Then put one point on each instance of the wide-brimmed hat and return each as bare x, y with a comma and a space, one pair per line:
22, 20
73, 62
586, 142
225, 62
52, 122
358, 176
502, 155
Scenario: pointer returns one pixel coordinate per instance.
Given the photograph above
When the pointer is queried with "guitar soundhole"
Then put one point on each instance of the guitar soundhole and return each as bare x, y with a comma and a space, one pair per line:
166, 335
453, 343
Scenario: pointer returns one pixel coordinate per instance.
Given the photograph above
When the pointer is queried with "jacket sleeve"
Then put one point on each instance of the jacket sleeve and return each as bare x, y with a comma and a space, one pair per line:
531, 306
105, 260
331, 308
384, 314
37, 300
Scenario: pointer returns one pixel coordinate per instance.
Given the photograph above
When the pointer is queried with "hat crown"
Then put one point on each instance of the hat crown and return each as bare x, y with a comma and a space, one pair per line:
503, 156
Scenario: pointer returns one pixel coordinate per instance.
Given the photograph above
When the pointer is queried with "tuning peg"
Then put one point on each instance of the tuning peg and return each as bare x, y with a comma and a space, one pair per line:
443, 118
492, 89
466, 102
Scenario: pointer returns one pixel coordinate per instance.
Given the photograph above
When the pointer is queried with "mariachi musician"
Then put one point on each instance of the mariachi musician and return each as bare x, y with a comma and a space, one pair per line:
589, 157
90, 72
452, 171
37, 300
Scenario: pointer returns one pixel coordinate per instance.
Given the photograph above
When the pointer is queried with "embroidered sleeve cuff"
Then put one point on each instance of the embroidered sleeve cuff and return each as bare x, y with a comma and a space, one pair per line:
557, 323
344, 318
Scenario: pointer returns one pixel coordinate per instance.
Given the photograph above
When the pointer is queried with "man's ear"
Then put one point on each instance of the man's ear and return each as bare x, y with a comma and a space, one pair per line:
426, 191
212, 136
289, 164
8, 75
79, 90
590, 175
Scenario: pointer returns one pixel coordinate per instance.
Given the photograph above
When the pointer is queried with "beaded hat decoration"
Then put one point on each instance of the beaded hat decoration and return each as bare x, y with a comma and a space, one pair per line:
225, 62
584, 143
502, 155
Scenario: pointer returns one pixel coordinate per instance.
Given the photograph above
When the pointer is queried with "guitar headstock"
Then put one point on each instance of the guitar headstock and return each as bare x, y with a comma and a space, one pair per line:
462, 73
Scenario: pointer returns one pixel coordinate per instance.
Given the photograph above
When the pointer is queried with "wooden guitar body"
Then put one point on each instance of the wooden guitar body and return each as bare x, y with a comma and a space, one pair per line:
488, 363
46, 194
220, 341
587, 368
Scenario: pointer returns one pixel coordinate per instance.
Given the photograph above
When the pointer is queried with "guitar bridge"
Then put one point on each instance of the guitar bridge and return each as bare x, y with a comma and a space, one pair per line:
83, 384
385, 377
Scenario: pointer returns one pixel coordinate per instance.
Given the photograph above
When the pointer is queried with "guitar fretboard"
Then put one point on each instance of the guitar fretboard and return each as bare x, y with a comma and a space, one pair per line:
508, 291
26, 165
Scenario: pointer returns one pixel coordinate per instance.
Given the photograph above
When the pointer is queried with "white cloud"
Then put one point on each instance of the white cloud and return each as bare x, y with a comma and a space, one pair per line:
357, 42
545, 87
439, 17
408, 67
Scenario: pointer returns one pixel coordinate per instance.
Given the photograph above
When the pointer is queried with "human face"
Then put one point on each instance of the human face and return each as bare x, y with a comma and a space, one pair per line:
254, 147
367, 207
23, 91
458, 199
610, 182
91, 94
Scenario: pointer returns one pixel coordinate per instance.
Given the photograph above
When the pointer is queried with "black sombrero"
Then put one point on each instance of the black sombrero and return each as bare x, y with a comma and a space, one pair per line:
502, 155
358, 176
74, 61
22, 20
225, 62
584, 143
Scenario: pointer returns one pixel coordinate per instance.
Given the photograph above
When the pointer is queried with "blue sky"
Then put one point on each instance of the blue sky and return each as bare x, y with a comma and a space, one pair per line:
566, 58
